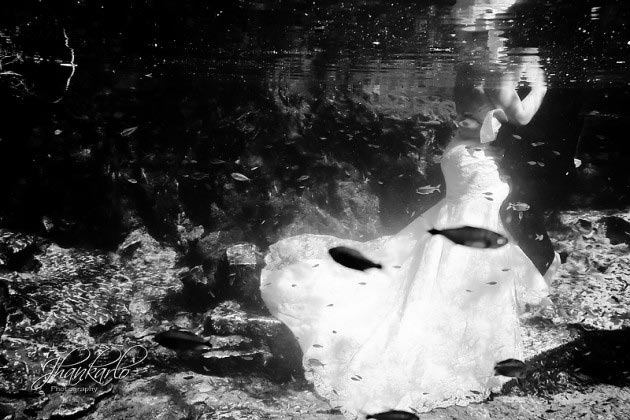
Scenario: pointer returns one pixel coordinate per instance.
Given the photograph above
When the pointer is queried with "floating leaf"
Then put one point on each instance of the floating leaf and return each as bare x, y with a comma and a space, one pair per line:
240, 177
531, 162
128, 131
216, 161
489, 198
362, 283
492, 283
505, 269
516, 136
317, 346
303, 178
330, 304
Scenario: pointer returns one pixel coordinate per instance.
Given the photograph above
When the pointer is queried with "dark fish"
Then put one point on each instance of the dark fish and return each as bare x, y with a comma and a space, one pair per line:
351, 258
510, 367
182, 340
393, 415
472, 236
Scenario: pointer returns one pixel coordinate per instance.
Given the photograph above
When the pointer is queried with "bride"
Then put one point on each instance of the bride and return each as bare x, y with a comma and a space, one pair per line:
427, 329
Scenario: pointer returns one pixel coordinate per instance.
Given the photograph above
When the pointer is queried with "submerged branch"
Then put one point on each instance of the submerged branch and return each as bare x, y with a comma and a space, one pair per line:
71, 64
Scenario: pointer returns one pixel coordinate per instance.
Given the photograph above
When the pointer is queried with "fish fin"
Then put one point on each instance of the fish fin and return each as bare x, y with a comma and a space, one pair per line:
433, 231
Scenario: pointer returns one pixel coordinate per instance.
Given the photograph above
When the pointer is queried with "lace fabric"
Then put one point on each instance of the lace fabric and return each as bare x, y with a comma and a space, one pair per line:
427, 329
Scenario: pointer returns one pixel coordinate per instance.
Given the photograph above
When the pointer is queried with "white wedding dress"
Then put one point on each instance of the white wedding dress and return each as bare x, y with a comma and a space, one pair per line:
427, 329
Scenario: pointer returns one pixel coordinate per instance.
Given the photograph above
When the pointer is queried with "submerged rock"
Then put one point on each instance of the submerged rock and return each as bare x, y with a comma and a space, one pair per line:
70, 301
67, 405
198, 288
72, 405
345, 209
16, 248
617, 229
210, 249
239, 273
228, 319
156, 289
204, 397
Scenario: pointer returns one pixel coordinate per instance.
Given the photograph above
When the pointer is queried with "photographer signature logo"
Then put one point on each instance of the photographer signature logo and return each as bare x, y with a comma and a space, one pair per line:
99, 366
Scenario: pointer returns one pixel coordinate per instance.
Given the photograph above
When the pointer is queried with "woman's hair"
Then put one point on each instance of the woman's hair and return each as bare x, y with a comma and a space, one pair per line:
444, 133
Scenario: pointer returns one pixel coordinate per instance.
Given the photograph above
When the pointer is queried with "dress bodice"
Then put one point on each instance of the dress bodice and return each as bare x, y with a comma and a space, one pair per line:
470, 169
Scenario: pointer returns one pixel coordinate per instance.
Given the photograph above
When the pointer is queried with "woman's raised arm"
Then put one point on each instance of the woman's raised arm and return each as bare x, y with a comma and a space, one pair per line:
520, 112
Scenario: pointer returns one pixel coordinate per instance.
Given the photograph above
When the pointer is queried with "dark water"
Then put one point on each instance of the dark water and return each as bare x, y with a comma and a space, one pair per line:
279, 91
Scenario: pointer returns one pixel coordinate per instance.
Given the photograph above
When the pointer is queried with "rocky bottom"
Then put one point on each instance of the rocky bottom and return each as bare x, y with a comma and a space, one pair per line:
54, 300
